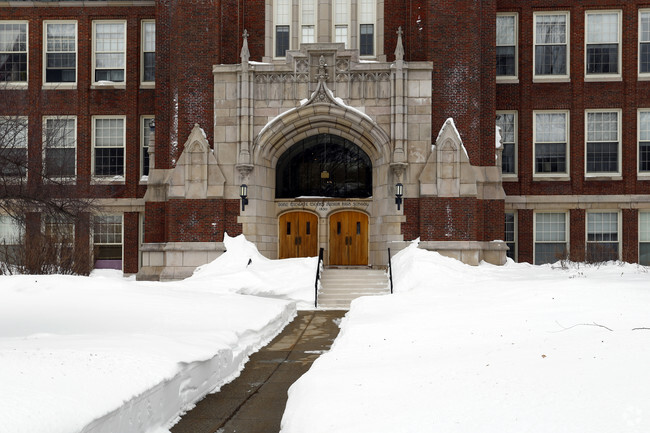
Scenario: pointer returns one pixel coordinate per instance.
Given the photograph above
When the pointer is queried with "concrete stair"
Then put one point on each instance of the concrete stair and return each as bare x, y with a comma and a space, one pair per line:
338, 287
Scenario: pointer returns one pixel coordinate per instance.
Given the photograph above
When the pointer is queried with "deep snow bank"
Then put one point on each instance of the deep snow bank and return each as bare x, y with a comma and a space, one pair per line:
108, 355
486, 349
242, 269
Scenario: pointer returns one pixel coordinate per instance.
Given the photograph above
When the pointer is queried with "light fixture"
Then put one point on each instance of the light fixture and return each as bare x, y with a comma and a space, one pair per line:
399, 192
243, 193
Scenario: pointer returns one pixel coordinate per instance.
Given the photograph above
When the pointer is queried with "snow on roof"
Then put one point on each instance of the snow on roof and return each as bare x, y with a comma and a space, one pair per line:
450, 123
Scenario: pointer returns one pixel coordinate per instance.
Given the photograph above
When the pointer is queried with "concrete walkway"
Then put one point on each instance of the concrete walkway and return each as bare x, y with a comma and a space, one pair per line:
255, 401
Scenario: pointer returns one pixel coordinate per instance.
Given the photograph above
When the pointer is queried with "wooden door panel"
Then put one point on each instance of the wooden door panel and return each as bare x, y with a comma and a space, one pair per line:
337, 239
348, 239
287, 235
358, 229
308, 232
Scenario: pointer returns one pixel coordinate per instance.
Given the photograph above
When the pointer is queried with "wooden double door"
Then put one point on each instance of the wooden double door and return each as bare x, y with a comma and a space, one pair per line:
348, 239
298, 235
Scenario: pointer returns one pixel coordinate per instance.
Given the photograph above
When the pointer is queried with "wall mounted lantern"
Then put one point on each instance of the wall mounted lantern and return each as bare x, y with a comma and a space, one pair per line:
243, 193
399, 192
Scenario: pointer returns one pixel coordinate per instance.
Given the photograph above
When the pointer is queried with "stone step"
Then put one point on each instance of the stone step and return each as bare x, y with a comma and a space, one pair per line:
339, 287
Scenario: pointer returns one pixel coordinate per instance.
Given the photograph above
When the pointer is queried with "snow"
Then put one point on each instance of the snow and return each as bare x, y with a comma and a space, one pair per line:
553, 348
108, 354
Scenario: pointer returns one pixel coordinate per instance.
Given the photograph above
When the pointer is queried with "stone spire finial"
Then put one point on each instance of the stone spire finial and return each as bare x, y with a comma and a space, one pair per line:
245, 54
399, 48
322, 70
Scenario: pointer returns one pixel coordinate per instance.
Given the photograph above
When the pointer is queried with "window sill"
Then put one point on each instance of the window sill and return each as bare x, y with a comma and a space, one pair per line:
603, 177
59, 86
551, 178
144, 180
644, 77
61, 180
509, 178
551, 79
147, 85
507, 80
108, 85
597, 78
643, 176
13, 86
115, 180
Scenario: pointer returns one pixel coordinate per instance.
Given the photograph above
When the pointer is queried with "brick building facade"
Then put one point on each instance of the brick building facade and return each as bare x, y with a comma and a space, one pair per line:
255, 92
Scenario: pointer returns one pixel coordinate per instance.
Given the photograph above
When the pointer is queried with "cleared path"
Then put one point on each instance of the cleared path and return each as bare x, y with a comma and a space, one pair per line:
255, 401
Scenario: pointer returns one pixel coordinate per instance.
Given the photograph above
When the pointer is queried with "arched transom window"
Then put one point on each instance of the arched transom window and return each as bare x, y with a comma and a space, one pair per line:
324, 165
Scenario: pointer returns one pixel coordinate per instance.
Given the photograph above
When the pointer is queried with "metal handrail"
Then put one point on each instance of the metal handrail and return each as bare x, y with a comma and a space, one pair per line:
390, 272
318, 269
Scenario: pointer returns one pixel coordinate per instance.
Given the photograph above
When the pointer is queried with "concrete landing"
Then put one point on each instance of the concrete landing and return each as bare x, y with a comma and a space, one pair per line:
255, 401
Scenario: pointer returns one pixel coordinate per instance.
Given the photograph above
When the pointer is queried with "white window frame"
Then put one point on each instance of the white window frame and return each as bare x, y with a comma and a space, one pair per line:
642, 75
45, 147
143, 145
511, 78
515, 234
121, 243
512, 176
375, 29
277, 24
644, 233
61, 85
567, 231
108, 178
553, 77
608, 175
641, 175
553, 176
609, 76
24, 120
301, 24
108, 84
619, 228
18, 84
146, 84
348, 24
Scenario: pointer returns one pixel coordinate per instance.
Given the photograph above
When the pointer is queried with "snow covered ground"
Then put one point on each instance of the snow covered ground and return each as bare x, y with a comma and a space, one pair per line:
107, 354
486, 349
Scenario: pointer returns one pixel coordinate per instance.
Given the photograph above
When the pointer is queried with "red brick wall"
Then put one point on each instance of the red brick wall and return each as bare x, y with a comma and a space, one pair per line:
525, 235
461, 35
577, 236
576, 96
131, 243
411, 228
154, 222
200, 220
630, 238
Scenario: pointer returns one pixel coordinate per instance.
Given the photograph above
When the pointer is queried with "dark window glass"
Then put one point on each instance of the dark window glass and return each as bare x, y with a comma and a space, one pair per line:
324, 166
288, 228
109, 161
367, 40
115, 75
602, 59
602, 157
308, 228
510, 234
644, 156
508, 158
549, 252
505, 61
550, 60
149, 67
550, 158
60, 162
281, 40
645, 58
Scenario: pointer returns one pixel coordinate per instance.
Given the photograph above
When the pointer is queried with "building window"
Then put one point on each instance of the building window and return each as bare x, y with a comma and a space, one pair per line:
602, 236
148, 51
282, 27
13, 52
59, 231
60, 147
507, 121
367, 27
108, 144
307, 21
603, 142
511, 235
13, 146
551, 143
550, 237
644, 238
551, 42
60, 52
107, 240
341, 21
506, 45
644, 142
145, 135
11, 239
109, 51
602, 39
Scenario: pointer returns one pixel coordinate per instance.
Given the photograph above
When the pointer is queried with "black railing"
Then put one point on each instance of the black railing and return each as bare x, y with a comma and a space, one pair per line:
390, 272
318, 268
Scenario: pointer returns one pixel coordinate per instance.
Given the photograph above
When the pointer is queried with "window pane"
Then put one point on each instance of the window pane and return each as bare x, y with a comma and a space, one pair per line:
550, 127
146, 133
550, 60
644, 60
505, 61
602, 59
367, 40
549, 252
550, 29
281, 40
550, 227
602, 28
506, 30
13, 52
